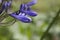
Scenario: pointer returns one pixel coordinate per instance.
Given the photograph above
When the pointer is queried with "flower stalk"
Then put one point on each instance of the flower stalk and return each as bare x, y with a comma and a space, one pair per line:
49, 27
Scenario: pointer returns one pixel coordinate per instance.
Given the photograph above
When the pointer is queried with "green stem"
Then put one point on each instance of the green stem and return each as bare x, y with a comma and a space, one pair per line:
54, 19
2, 17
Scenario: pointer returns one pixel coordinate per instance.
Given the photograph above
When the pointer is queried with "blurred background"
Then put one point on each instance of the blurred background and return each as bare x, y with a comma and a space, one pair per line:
12, 29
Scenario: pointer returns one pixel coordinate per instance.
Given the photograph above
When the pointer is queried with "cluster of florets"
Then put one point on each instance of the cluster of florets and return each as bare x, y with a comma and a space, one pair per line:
24, 12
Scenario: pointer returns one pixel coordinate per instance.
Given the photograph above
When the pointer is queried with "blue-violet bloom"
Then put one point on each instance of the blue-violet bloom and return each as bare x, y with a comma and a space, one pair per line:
28, 10
31, 12
24, 12
5, 5
31, 3
22, 18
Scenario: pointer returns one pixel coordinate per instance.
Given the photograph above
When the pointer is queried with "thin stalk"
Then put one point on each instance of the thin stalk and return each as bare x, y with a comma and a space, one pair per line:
3, 17
54, 19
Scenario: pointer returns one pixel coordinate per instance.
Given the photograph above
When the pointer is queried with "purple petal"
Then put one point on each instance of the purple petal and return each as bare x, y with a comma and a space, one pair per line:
2, 9
28, 8
32, 3
23, 7
5, 5
9, 3
24, 19
30, 13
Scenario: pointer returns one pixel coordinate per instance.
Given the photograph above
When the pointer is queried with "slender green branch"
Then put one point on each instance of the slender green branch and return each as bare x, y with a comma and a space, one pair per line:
54, 19
2, 17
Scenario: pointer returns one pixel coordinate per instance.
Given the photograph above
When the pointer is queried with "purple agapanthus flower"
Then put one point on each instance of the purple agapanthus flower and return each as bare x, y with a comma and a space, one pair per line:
24, 12
5, 5
21, 17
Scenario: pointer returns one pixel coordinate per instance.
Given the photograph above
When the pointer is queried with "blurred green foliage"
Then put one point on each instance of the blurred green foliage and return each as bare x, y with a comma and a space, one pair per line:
13, 29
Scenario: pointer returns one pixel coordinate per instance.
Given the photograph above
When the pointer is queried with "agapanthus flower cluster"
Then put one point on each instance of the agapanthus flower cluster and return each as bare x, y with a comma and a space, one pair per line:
24, 12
